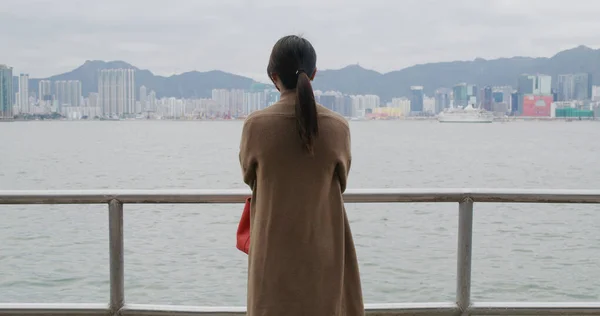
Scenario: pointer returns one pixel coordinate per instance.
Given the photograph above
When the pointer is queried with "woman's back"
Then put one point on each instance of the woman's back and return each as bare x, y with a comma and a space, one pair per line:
302, 259
274, 138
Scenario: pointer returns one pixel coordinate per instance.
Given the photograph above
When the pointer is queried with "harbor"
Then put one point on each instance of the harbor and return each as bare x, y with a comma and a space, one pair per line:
185, 255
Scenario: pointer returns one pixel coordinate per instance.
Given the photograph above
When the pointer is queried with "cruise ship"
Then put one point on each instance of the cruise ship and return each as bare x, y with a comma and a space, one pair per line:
468, 114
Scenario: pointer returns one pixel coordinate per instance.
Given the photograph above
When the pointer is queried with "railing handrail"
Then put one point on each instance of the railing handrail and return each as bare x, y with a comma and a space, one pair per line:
226, 196
464, 197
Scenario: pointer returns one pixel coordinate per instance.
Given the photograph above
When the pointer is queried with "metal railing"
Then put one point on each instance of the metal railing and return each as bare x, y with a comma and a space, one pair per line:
464, 197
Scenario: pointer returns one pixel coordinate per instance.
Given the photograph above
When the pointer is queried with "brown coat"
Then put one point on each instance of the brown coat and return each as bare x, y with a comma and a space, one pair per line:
302, 259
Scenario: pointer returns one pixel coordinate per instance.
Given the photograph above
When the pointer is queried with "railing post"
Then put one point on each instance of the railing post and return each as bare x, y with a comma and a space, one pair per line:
117, 267
463, 262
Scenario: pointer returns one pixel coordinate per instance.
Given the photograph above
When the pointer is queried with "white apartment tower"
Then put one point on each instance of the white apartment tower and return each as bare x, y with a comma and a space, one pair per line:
68, 93
75, 92
61, 94
152, 101
23, 100
144, 98
45, 92
93, 100
116, 89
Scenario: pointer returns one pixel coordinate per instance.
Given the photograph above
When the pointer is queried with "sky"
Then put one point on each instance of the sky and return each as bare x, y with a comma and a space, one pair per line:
48, 37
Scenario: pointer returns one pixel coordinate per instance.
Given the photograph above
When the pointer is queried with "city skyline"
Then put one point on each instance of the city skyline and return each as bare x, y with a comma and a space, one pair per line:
115, 98
516, 87
377, 34
354, 79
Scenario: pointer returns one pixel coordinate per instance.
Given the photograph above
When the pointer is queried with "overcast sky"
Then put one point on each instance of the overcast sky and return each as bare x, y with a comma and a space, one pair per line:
47, 37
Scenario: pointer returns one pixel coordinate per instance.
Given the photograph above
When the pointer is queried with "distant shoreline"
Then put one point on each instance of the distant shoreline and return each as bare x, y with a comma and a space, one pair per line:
432, 119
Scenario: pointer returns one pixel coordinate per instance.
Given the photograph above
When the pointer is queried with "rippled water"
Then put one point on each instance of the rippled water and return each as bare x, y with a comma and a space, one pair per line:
186, 254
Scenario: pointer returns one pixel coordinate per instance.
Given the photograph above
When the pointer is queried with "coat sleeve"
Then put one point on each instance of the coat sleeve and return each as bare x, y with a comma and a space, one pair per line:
344, 161
247, 155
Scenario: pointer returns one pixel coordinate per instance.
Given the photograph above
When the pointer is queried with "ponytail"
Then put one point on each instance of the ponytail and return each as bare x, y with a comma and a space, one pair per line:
306, 111
294, 60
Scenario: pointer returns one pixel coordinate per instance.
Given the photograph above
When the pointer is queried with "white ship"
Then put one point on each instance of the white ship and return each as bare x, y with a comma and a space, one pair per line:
468, 114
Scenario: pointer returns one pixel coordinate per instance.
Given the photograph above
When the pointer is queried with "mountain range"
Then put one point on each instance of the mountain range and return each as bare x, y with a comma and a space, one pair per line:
354, 79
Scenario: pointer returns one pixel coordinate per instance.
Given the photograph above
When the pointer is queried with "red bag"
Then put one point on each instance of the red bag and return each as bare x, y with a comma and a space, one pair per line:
243, 231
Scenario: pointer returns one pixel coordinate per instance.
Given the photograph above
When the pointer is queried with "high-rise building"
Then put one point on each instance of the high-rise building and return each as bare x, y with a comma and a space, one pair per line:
429, 105
253, 101
582, 86
416, 99
595, 93
67, 93
61, 94
442, 99
93, 100
574, 87
75, 92
502, 94
487, 99
236, 101
460, 95
6, 92
223, 98
347, 109
515, 104
498, 96
152, 100
144, 98
565, 87
403, 104
473, 94
339, 104
526, 84
328, 100
362, 104
543, 85
535, 84
45, 92
464, 94
116, 88
23, 101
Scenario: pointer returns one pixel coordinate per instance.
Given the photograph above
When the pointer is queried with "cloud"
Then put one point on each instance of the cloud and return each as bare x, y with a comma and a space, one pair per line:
47, 37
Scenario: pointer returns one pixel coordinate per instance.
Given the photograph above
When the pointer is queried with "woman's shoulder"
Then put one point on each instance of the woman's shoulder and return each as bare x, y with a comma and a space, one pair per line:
331, 116
260, 118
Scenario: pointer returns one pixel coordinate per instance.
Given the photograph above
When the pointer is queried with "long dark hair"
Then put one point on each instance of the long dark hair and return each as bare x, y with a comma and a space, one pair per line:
294, 60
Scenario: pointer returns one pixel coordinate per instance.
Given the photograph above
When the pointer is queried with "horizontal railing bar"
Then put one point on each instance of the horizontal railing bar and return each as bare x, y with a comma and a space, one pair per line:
351, 196
495, 308
525, 308
433, 308
54, 309
371, 309
163, 310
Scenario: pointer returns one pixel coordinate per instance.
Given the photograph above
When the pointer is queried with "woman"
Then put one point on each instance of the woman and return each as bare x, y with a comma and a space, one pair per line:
295, 155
